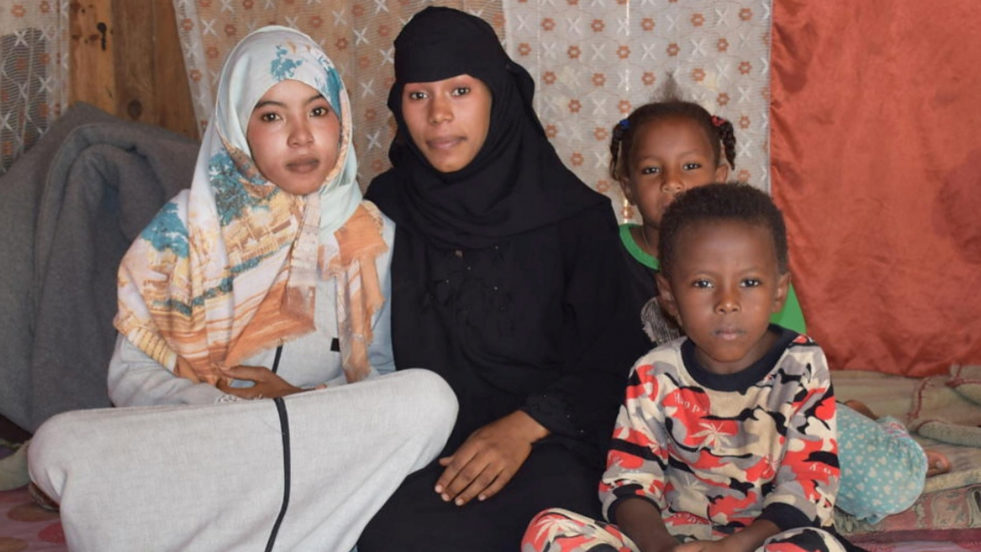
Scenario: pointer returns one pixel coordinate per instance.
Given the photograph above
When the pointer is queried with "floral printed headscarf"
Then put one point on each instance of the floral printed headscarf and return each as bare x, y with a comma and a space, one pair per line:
230, 266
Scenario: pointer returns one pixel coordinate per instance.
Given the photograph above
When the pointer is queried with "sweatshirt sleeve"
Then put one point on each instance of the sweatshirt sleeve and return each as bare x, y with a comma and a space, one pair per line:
806, 482
636, 462
135, 379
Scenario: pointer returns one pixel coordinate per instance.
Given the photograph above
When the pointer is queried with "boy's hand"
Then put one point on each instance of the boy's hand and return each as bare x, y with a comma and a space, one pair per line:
268, 385
488, 459
639, 519
747, 540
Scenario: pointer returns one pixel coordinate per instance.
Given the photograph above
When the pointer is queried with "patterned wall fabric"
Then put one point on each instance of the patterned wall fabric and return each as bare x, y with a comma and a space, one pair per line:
597, 60
33, 72
593, 61
356, 34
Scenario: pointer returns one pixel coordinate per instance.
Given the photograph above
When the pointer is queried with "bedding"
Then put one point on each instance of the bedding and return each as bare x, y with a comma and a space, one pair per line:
943, 415
69, 208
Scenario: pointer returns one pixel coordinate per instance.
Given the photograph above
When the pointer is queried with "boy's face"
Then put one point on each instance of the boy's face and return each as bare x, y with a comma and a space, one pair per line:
668, 156
723, 288
294, 137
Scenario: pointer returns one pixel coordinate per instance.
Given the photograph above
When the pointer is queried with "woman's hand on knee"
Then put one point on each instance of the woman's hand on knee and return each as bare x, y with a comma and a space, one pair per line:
488, 459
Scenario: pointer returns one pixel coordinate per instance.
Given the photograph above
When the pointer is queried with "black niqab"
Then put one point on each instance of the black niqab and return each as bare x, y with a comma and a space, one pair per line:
505, 282
516, 183
501, 271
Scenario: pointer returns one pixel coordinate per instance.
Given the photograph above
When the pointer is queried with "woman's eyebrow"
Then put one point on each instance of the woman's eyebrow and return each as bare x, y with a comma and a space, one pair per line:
264, 103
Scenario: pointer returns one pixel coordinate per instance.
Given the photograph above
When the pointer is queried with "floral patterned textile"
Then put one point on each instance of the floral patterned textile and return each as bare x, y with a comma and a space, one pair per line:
592, 62
33, 72
596, 61
893, 466
759, 444
230, 266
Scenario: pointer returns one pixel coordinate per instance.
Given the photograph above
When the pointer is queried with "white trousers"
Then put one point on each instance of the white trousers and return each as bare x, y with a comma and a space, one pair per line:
214, 477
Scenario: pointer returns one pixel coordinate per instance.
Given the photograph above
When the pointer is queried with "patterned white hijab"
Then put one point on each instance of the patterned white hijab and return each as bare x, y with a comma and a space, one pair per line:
230, 266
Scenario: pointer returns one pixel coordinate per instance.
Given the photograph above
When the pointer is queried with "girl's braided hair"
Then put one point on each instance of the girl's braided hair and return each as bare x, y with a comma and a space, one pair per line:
718, 130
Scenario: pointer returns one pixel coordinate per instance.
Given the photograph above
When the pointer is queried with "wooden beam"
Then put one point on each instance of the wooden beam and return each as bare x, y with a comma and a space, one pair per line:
126, 59
175, 109
135, 60
92, 75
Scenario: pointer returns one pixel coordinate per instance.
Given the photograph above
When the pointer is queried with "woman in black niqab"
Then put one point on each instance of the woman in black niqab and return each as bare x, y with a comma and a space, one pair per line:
505, 281
516, 183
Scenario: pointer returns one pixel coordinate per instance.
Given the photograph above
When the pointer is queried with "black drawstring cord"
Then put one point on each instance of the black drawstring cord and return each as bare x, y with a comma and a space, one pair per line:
284, 426
279, 353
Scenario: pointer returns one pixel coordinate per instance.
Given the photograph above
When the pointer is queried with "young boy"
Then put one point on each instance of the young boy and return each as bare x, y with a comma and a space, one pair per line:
726, 439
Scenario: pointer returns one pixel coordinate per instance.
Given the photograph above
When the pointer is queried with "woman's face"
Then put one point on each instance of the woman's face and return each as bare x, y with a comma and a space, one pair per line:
447, 119
294, 137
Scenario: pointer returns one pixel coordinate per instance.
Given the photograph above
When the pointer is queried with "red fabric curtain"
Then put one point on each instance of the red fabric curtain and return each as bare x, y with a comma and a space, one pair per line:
876, 164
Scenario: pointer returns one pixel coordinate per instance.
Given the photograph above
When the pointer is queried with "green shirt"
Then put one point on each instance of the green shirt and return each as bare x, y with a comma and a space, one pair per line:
790, 316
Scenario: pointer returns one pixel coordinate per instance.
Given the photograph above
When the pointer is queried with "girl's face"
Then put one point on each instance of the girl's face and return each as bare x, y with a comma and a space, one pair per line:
294, 137
723, 288
447, 119
669, 156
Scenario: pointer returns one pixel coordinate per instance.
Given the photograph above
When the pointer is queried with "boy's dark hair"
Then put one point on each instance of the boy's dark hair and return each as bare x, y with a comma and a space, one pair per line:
721, 201
717, 130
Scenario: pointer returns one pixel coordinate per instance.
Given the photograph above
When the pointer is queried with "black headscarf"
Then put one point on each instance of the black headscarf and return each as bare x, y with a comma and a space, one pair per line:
516, 183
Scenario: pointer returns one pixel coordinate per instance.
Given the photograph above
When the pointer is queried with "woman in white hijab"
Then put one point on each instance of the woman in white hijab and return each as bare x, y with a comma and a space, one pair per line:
243, 307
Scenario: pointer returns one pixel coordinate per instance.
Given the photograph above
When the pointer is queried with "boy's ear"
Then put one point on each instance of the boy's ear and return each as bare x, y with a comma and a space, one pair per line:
665, 298
722, 172
783, 286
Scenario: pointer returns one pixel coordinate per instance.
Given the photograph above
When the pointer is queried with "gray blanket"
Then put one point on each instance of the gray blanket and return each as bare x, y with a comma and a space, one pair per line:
69, 208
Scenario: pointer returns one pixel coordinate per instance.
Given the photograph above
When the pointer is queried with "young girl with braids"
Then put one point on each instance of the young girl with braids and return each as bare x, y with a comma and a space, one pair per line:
664, 148
660, 150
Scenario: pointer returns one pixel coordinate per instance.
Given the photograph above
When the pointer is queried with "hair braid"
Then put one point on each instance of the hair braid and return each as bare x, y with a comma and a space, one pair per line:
719, 132
727, 135
619, 129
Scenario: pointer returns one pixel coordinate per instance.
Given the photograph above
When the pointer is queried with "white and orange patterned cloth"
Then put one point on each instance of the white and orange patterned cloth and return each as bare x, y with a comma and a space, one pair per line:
715, 452
230, 266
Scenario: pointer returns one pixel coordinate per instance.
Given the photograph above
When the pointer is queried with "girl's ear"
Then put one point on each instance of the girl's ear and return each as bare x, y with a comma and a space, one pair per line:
783, 285
722, 172
665, 298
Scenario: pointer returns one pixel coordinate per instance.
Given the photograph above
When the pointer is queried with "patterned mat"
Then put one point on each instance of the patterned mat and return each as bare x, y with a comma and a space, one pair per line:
26, 526
938, 522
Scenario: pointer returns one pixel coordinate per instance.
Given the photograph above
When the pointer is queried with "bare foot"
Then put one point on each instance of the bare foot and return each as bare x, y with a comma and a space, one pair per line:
41, 499
937, 463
